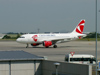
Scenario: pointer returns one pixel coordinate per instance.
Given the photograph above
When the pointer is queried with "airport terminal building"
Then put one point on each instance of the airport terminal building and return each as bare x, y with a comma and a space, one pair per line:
19, 63
23, 63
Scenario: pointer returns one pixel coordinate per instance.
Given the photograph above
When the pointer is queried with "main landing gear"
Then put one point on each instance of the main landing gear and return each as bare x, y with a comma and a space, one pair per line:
27, 46
55, 46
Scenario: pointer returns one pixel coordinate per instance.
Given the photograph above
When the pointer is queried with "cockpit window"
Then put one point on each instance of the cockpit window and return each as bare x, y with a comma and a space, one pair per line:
22, 37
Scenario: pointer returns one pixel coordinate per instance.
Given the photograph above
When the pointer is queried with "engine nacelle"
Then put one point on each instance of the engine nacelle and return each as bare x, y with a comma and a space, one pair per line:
47, 43
35, 44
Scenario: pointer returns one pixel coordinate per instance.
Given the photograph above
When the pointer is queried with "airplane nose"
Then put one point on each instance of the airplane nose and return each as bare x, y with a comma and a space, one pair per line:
18, 40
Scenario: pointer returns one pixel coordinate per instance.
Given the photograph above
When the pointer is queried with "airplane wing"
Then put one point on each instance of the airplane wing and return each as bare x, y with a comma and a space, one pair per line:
57, 40
61, 40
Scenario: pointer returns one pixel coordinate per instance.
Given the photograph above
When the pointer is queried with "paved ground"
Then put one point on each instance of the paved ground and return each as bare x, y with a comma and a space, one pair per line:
79, 47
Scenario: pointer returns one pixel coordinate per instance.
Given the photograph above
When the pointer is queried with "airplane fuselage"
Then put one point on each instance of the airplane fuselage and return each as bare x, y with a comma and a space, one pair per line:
39, 38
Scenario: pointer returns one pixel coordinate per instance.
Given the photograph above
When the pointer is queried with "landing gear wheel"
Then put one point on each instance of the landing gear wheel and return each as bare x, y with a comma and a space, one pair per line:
47, 46
55, 46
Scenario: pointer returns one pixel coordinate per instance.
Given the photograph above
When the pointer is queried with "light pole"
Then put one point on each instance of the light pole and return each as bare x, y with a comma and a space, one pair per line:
96, 34
56, 65
38, 30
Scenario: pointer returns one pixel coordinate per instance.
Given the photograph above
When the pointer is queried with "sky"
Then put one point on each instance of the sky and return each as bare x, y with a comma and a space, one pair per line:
47, 15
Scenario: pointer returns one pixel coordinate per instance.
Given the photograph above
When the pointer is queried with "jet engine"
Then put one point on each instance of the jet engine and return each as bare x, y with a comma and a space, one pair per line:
47, 43
35, 44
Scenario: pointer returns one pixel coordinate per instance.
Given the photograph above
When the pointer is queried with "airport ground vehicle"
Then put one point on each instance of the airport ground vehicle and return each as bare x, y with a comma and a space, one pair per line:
80, 58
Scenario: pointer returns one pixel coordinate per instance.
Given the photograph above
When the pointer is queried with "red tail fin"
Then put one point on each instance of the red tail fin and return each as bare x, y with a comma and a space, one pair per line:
80, 27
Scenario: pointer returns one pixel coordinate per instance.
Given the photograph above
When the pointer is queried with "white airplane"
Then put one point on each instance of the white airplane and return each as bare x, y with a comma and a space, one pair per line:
52, 39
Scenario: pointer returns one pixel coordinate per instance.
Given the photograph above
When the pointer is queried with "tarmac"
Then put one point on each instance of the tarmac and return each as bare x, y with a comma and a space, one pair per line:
55, 54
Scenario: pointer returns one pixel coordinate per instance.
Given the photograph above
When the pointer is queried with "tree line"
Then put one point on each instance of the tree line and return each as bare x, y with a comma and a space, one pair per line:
11, 37
90, 35
93, 35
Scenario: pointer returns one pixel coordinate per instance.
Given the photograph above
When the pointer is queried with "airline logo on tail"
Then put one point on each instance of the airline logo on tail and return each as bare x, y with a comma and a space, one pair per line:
80, 27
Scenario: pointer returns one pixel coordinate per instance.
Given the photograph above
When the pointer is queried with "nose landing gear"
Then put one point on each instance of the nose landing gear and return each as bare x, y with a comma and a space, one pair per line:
27, 46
